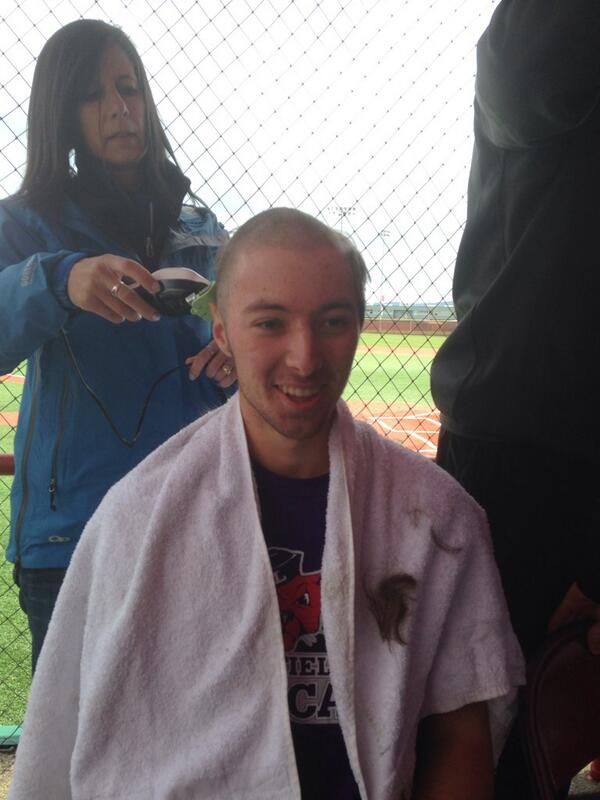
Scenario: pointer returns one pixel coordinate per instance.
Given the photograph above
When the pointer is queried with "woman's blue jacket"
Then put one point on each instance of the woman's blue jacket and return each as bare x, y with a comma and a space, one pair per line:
66, 453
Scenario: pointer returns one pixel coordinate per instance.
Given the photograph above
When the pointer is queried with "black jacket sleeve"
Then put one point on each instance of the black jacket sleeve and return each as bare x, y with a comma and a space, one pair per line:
538, 70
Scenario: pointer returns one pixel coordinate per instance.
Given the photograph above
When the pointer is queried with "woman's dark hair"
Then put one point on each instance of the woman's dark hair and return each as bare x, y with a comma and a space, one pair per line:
66, 67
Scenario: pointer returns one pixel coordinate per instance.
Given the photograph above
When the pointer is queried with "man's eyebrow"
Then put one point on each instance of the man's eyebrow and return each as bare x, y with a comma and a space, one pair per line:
339, 305
263, 305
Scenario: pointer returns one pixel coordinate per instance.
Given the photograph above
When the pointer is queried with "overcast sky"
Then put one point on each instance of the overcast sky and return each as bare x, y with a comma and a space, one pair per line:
357, 111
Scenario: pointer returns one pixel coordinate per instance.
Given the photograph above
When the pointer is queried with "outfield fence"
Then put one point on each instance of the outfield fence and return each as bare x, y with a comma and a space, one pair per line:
359, 112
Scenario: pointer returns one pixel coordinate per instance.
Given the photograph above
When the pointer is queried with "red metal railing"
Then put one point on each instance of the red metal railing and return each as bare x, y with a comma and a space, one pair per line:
7, 464
9, 734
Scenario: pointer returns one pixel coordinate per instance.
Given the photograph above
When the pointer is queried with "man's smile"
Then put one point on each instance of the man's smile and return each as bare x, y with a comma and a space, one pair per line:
302, 398
301, 393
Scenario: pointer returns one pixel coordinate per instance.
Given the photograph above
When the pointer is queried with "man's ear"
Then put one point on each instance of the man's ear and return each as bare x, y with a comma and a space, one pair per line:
219, 333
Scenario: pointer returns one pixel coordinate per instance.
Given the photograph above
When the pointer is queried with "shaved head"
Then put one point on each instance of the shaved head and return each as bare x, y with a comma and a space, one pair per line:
288, 229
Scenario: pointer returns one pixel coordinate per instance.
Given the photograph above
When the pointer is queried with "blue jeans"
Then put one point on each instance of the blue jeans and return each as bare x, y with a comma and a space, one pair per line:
38, 590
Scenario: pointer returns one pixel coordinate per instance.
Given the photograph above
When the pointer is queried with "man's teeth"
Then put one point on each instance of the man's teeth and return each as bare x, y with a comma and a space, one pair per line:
294, 391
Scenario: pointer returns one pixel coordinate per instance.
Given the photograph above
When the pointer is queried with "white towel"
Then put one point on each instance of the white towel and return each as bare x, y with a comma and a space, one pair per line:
163, 673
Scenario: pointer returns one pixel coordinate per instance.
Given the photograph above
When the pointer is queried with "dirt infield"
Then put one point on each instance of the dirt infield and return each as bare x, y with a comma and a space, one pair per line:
415, 428
10, 417
7, 760
12, 379
407, 352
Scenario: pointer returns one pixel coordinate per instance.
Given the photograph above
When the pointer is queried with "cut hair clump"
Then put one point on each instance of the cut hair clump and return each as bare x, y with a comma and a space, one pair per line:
389, 605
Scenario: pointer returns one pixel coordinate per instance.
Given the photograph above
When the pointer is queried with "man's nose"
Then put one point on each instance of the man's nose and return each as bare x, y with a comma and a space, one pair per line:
303, 353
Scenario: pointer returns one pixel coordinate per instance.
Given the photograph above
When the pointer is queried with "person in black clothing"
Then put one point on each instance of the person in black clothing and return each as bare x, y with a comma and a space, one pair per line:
515, 382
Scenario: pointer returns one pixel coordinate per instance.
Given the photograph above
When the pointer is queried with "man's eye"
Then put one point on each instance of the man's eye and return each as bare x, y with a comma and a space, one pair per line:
269, 324
336, 323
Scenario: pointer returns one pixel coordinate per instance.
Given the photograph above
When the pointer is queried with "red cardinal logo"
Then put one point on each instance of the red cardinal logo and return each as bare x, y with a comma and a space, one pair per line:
299, 595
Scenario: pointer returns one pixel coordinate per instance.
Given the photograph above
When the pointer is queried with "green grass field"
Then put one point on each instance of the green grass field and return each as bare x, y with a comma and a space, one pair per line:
15, 644
395, 369
415, 341
10, 394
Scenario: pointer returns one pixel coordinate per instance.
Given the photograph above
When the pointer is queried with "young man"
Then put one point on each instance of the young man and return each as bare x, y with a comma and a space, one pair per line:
280, 599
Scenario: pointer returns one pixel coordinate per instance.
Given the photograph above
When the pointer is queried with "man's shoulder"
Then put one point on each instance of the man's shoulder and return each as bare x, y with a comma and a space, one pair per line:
409, 482
171, 496
187, 453
385, 451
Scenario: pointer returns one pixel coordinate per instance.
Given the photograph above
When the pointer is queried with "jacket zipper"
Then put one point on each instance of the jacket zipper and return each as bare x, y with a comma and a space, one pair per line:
150, 237
53, 485
25, 461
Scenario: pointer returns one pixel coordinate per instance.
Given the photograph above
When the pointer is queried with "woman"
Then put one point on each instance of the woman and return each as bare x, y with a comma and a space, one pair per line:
99, 209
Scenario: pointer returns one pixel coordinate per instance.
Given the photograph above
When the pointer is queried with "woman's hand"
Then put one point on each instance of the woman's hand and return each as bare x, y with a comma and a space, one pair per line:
215, 363
95, 284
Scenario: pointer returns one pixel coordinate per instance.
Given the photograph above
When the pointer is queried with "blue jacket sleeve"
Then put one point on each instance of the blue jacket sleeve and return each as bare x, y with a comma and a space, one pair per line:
214, 231
212, 236
538, 70
31, 307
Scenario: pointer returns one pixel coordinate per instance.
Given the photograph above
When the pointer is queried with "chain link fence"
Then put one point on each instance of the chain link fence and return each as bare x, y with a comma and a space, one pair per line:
359, 112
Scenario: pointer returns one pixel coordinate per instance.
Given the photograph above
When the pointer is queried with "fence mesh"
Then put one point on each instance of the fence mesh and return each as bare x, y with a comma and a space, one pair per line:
358, 112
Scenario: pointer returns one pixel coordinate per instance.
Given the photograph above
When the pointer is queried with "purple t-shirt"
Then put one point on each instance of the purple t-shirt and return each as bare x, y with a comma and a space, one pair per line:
293, 521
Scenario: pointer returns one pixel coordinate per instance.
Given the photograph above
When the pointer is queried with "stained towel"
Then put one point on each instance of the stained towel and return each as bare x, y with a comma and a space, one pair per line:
163, 675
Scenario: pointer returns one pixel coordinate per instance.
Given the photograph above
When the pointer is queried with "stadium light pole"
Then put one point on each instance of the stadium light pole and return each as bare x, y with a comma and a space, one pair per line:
342, 212
382, 234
